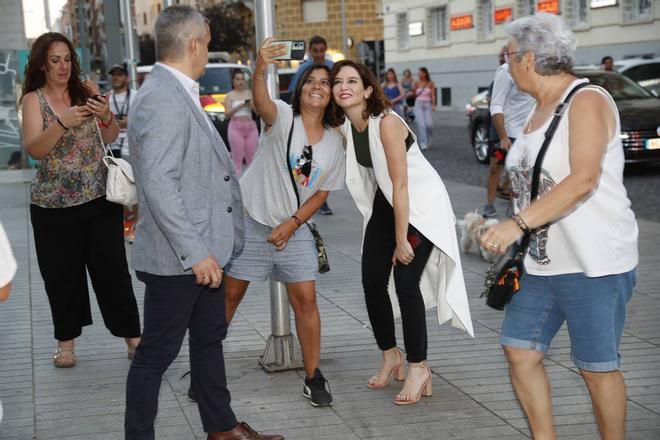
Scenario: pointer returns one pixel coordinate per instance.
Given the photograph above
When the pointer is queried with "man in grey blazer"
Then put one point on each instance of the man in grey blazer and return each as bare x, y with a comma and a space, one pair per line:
191, 220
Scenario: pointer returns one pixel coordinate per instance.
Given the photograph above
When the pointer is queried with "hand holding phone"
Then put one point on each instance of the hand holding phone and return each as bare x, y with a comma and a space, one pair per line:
295, 49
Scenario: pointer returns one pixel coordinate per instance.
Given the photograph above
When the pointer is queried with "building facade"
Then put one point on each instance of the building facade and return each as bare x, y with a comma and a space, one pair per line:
302, 19
458, 40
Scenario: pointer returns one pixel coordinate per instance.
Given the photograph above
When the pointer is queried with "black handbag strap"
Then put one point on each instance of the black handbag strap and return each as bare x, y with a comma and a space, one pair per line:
536, 176
288, 163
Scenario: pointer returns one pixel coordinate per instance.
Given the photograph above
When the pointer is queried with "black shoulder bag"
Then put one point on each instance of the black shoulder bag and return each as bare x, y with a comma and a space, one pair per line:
503, 277
324, 265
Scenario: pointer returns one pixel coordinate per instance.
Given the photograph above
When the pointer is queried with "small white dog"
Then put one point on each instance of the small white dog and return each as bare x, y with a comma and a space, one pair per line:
470, 228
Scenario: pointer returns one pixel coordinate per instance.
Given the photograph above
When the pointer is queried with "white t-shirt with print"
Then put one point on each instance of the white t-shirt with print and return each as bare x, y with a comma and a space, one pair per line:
268, 194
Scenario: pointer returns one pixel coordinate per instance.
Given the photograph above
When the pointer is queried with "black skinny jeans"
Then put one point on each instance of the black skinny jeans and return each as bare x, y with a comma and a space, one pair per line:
378, 249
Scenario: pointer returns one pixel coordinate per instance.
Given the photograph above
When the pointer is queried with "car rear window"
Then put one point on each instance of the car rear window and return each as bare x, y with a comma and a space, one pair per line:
619, 86
217, 80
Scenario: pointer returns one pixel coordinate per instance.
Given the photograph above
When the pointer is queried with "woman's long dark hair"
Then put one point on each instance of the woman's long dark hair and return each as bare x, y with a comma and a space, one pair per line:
234, 73
329, 116
35, 77
377, 102
426, 73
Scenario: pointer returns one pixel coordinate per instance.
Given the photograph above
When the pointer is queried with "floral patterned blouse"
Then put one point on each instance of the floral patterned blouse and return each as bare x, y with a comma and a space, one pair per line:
73, 173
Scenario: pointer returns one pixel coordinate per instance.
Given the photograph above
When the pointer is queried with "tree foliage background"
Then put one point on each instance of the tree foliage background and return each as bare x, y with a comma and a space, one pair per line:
232, 28
232, 31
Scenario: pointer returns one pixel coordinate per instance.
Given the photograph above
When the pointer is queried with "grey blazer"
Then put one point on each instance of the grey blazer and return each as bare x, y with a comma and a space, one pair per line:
188, 191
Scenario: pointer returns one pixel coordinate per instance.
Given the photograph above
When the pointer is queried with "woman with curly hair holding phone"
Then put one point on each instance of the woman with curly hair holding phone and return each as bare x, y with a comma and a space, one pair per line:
76, 230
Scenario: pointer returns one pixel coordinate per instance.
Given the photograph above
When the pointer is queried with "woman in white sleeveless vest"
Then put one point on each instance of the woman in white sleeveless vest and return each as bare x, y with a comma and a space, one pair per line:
409, 229
580, 267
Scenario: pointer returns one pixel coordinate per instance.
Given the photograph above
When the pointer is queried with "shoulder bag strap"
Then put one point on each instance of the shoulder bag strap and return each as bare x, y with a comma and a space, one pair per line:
549, 134
288, 163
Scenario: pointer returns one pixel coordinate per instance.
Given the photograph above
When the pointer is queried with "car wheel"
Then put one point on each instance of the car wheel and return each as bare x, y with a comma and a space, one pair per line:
480, 142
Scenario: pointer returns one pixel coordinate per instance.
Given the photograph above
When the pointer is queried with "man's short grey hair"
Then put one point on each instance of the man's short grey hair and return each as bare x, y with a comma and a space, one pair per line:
175, 26
549, 38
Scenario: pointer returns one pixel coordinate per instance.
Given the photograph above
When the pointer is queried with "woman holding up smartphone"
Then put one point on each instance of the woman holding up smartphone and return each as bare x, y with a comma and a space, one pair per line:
76, 230
409, 228
243, 134
277, 242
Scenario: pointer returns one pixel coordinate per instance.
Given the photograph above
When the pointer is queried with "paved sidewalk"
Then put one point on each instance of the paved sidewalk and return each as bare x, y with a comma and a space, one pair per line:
472, 396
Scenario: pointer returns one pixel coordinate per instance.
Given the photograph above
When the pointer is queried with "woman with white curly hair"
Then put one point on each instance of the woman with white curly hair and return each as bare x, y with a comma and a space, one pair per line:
580, 266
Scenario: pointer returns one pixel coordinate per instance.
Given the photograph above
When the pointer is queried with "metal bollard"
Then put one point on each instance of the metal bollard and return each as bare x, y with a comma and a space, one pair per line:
282, 351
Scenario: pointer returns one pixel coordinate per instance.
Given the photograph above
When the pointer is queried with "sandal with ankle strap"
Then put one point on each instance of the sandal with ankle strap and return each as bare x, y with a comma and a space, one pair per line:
64, 358
425, 389
377, 382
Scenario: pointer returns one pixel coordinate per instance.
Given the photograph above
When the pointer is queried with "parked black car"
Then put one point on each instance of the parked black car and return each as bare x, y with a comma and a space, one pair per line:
479, 124
639, 112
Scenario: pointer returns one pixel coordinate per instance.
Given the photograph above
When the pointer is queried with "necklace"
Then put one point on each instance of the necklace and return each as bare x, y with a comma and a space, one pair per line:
528, 129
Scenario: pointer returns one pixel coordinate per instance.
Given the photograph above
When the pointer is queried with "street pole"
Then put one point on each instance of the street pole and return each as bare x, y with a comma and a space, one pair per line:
344, 37
281, 352
82, 34
47, 14
129, 43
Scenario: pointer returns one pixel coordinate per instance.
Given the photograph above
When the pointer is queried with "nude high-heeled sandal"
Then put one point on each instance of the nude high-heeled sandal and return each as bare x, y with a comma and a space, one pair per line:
425, 389
377, 381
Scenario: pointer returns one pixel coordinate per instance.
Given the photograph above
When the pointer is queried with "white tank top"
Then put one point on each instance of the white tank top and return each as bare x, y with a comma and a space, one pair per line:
597, 238
245, 111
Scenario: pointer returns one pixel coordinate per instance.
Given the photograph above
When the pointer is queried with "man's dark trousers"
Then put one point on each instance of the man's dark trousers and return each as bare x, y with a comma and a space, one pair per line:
172, 305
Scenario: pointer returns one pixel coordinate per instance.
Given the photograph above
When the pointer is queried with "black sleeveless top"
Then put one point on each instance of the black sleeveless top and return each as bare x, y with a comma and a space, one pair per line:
361, 145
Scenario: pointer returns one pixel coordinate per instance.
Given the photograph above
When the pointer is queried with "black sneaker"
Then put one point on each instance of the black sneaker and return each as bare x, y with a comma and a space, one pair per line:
325, 209
314, 389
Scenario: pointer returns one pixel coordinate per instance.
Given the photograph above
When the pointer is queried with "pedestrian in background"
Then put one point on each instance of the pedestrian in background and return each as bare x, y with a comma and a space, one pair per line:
317, 55
191, 222
278, 243
75, 228
580, 267
607, 63
409, 228
7, 266
242, 133
509, 108
394, 91
425, 96
407, 82
120, 99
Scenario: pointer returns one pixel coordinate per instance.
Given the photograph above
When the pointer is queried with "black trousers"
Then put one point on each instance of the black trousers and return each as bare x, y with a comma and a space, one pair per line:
70, 241
172, 305
378, 249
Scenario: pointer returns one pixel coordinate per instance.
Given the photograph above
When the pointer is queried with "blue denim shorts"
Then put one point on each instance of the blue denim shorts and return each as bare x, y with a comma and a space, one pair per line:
594, 310
257, 259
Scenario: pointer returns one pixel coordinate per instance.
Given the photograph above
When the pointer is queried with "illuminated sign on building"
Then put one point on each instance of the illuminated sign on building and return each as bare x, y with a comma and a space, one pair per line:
503, 15
549, 6
602, 3
459, 22
415, 28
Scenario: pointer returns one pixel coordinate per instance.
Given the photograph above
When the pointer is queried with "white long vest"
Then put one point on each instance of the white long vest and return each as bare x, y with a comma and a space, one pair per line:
442, 282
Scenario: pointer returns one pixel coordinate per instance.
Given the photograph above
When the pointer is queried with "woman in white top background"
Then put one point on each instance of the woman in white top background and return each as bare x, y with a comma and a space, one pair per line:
242, 132
580, 267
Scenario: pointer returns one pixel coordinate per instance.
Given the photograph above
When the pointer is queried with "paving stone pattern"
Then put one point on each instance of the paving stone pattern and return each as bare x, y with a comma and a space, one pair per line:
472, 396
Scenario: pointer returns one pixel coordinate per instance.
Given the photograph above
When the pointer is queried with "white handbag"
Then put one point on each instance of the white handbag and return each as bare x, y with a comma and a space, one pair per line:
120, 186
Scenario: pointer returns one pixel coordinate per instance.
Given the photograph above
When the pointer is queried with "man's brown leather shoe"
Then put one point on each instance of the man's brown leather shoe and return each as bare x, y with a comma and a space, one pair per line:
242, 431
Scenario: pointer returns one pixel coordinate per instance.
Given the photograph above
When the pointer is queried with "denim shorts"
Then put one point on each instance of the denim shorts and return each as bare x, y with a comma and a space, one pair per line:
594, 310
257, 259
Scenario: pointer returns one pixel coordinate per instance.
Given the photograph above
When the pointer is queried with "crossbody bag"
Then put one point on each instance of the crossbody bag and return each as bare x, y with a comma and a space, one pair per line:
322, 255
503, 277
